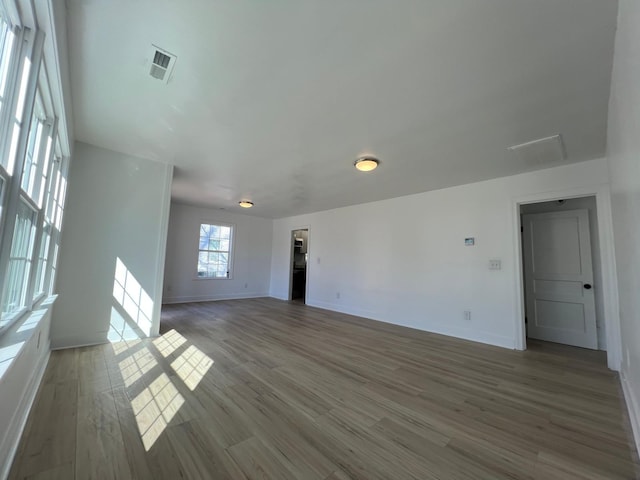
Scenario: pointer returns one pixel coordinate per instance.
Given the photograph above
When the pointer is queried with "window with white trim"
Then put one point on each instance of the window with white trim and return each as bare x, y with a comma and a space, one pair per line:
34, 157
33, 168
14, 297
214, 251
7, 40
59, 197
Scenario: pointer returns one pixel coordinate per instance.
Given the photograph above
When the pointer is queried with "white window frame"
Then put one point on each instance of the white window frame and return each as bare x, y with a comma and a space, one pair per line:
230, 253
26, 294
29, 46
46, 180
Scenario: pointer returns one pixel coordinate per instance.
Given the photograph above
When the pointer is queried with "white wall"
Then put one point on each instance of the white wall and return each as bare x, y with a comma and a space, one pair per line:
404, 261
24, 352
589, 204
623, 147
251, 256
117, 209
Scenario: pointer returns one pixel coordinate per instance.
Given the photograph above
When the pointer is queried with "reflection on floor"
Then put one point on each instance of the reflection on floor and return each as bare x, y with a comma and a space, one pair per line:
558, 350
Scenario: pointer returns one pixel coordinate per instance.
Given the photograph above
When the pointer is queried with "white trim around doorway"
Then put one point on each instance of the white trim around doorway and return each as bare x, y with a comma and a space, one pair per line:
607, 255
307, 276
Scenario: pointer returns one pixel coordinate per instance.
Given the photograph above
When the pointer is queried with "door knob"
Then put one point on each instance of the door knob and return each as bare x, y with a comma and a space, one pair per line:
587, 286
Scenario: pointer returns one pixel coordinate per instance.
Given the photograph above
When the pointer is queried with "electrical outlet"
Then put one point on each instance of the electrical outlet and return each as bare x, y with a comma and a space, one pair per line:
495, 264
467, 314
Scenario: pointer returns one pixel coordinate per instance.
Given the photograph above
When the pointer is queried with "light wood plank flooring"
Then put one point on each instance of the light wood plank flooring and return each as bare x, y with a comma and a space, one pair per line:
265, 389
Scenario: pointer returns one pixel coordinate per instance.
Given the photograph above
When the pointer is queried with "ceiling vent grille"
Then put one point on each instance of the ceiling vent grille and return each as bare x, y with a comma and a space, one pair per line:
162, 63
540, 152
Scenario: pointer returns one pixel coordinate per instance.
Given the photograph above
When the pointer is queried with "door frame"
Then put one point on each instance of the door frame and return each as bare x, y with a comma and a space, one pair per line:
306, 273
609, 285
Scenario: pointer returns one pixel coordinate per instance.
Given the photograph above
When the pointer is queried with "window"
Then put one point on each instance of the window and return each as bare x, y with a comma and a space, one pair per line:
15, 294
34, 166
214, 252
41, 263
54, 208
17, 120
6, 49
34, 160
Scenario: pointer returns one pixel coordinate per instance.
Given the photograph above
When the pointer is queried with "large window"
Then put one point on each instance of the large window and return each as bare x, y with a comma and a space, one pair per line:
7, 39
15, 291
6, 51
33, 171
41, 262
214, 251
35, 157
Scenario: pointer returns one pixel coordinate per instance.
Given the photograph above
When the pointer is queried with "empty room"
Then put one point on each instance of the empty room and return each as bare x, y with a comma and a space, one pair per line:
319, 240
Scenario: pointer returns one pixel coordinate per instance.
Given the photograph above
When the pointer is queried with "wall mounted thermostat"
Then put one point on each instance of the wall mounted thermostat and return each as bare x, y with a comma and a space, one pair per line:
469, 242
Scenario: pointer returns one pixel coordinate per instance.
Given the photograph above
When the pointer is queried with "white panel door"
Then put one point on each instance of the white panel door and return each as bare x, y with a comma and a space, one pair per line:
559, 278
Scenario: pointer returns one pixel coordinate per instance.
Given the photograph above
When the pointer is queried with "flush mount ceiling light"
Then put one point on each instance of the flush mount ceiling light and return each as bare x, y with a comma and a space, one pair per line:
366, 164
245, 203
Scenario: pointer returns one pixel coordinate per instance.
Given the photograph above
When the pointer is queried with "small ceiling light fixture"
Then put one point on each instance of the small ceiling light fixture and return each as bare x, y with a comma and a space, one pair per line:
245, 203
366, 164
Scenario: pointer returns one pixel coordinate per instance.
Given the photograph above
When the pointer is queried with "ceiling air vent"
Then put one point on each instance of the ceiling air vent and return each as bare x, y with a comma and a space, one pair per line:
542, 151
162, 63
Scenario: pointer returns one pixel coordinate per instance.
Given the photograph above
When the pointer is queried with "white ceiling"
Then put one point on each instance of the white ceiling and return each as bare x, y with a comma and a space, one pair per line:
273, 100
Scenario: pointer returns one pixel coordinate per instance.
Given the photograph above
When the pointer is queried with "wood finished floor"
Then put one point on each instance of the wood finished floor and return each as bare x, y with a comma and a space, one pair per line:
264, 389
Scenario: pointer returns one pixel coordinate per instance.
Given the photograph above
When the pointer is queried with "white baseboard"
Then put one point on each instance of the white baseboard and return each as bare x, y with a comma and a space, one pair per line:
278, 297
14, 433
462, 333
79, 340
634, 410
212, 298
79, 345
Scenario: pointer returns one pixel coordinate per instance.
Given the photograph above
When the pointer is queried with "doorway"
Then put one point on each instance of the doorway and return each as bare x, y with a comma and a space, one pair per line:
562, 273
299, 265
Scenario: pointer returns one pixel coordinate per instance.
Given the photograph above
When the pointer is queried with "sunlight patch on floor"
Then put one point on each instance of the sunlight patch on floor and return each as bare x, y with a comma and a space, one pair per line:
123, 346
192, 366
169, 342
154, 408
135, 366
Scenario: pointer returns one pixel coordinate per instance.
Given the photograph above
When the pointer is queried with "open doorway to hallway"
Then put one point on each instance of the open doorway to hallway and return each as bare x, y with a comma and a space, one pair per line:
562, 273
299, 265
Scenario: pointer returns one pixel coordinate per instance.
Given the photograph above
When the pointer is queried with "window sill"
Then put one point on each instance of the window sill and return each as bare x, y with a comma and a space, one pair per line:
9, 320
14, 337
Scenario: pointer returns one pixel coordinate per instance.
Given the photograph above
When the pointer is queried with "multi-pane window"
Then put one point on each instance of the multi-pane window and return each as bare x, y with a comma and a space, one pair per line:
57, 208
41, 262
19, 112
58, 199
214, 251
15, 290
53, 262
33, 159
46, 168
7, 39
50, 200
33, 171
